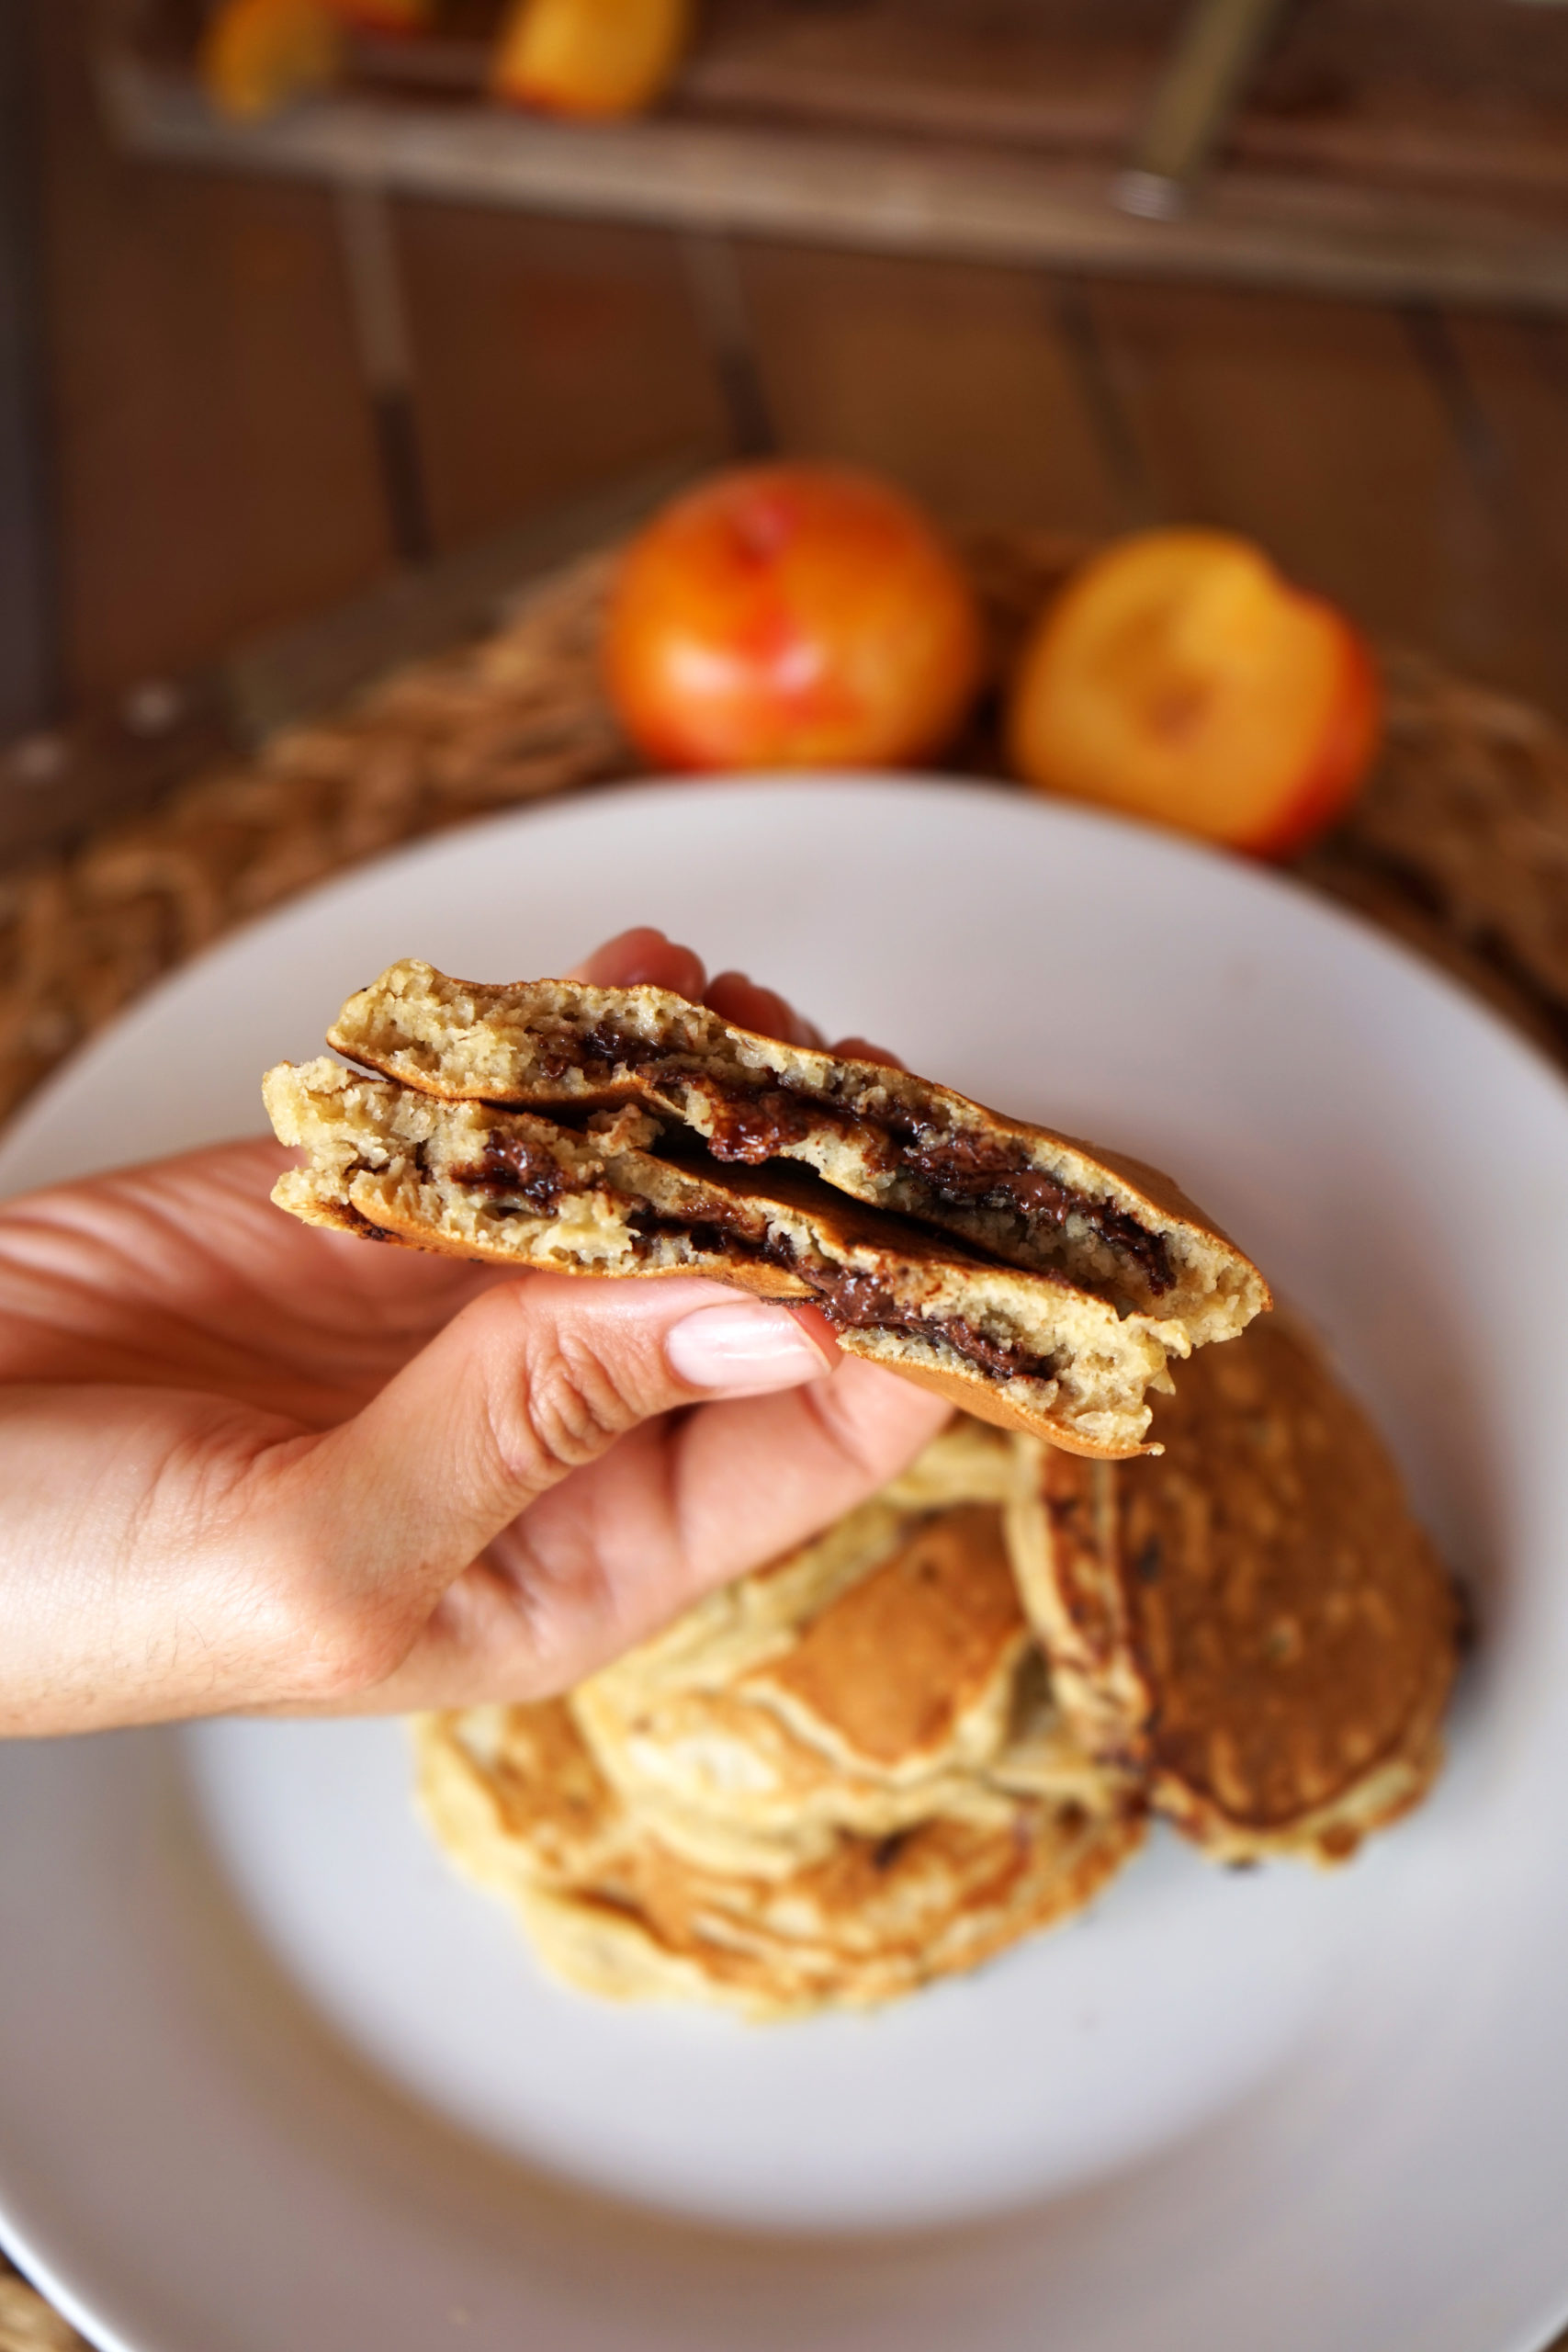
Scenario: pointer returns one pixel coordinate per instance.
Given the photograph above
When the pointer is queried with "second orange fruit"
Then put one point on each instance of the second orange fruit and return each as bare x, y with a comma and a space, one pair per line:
589, 58
1181, 677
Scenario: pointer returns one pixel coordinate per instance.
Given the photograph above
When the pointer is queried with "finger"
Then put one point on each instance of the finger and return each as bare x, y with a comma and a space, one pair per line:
756, 1479
604, 1559
533, 1381
857, 1049
735, 998
647, 955
644, 956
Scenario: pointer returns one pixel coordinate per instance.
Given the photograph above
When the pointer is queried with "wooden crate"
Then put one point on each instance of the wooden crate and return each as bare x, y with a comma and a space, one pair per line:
1399, 150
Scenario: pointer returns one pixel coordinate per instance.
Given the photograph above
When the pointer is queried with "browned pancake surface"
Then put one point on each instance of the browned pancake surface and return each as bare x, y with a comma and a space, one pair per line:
893, 1665
1254, 1618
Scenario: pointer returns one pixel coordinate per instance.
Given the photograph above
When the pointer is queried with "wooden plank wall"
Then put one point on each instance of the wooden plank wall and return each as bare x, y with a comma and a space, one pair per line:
547, 356
213, 457
29, 686
218, 470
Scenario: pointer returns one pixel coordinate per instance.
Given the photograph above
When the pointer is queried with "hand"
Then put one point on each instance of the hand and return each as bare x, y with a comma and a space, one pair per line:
250, 1466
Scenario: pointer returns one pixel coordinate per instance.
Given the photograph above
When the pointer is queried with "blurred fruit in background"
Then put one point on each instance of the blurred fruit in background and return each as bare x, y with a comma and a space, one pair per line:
385, 15
1179, 677
593, 58
790, 616
257, 54
589, 58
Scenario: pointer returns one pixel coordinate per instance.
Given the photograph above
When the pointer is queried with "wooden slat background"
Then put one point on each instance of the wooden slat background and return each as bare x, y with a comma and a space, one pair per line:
216, 464
213, 460
547, 356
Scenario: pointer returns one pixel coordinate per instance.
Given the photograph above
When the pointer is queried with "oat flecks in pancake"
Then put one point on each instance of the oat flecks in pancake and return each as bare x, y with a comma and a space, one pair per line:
1028, 1349
884, 1136
1253, 1620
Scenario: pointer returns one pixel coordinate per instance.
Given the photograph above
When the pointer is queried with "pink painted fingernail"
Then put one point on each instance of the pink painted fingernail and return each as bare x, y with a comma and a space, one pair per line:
742, 1350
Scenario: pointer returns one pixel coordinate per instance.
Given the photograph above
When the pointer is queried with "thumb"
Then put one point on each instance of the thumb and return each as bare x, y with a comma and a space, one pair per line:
531, 1380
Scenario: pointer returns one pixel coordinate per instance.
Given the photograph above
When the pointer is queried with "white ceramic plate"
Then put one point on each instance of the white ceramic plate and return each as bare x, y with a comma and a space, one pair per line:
269, 2077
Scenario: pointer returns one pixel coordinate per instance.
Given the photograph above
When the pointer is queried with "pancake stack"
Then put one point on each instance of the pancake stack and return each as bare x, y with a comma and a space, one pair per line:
943, 1726
825, 1785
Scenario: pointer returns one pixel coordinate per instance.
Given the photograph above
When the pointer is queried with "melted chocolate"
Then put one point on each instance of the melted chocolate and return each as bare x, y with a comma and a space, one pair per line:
362, 1225
751, 1124
616, 1049
512, 1164
754, 1127
859, 1303
970, 1172
855, 1301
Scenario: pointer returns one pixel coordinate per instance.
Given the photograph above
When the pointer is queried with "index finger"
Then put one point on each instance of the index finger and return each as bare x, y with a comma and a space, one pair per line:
645, 956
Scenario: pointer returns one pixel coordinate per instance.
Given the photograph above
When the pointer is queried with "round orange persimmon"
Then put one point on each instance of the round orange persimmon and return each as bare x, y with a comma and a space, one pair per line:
589, 58
790, 616
1179, 677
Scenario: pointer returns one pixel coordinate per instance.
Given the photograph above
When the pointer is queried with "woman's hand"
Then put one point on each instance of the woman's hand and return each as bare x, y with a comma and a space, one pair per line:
251, 1465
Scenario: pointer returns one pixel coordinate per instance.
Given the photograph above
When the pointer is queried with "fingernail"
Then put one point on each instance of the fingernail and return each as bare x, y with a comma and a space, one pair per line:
742, 1350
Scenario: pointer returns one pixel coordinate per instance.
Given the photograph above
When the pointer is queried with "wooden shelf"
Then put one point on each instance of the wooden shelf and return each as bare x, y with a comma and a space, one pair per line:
922, 129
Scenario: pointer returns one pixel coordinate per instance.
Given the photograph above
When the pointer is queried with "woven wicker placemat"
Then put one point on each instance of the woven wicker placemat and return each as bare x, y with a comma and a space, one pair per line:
1459, 846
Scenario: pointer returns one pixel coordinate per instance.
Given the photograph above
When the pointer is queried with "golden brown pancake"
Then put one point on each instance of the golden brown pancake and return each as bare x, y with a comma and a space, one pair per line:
1022, 1276
863, 1682
859, 1769
725, 1782
1252, 1621
840, 1777
913, 1670
884, 1136
720, 1637
872, 1684
615, 1911
1029, 1350
518, 1785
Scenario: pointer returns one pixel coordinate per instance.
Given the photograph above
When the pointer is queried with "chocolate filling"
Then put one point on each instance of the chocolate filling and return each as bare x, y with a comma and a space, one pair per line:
966, 1170
607, 1049
517, 1165
755, 1124
754, 1127
513, 1163
855, 1301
